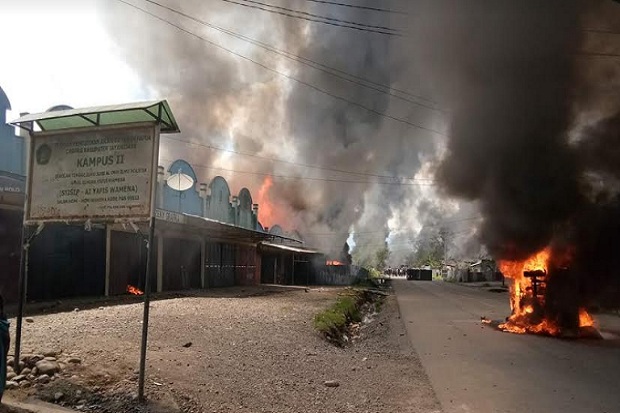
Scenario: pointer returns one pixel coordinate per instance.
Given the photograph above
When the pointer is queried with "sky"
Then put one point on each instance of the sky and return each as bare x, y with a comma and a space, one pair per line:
61, 55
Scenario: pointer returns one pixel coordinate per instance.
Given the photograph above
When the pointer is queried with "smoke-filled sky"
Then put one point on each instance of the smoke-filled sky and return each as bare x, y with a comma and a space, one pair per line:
230, 102
486, 103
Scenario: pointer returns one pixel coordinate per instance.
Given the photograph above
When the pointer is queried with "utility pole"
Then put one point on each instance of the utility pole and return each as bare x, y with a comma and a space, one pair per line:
443, 232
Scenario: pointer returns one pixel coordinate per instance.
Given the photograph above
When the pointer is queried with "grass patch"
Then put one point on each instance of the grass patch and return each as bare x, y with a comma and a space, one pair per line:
334, 321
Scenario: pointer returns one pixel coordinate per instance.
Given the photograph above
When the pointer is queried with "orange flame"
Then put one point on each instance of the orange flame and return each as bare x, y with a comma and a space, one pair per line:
525, 318
585, 319
515, 269
334, 262
133, 290
266, 210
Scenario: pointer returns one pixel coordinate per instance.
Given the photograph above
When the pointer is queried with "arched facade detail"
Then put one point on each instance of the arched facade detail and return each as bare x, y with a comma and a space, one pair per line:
187, 201
219, 207
12, 147
276, 230
245, 216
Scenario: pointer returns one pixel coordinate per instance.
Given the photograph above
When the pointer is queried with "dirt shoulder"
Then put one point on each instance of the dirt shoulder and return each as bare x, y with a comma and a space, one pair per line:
248, 353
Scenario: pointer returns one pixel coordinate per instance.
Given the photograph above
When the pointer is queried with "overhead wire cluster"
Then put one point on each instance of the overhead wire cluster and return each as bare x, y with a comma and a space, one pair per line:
316, 18
391, 179
307, 178
369, 84
357, 80
356, 6
400, 94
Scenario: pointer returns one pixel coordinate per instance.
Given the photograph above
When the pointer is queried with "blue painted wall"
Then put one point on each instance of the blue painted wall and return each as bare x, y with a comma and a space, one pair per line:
218, 204
12, 155
188, 201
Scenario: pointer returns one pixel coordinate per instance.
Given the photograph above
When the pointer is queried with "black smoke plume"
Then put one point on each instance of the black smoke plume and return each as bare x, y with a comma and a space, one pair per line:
533, 135
511, 110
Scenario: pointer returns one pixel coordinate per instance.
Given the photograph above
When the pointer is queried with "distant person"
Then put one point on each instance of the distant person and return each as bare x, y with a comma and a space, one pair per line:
4, 346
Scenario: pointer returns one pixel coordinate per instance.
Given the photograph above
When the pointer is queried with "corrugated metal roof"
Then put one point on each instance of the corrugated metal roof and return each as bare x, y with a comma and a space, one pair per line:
289, 248
217, 229
150, 111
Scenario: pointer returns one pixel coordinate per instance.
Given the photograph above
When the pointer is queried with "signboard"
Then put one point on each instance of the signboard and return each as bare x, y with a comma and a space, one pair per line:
11, 185
99, 173
12, 192
170, 216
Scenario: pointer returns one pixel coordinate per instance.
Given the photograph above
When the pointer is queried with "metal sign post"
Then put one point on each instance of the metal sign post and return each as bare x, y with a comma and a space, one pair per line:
149, 264
27, 238
145, 316
22, 298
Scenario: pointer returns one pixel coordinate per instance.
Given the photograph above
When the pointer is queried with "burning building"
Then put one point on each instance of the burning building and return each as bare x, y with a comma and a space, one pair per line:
204, 237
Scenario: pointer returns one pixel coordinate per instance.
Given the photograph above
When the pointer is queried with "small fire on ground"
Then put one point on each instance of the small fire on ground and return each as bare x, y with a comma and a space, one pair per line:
134, 290
334, 262
543, 297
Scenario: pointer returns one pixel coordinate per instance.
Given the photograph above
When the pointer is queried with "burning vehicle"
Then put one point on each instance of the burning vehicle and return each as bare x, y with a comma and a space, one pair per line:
544, 298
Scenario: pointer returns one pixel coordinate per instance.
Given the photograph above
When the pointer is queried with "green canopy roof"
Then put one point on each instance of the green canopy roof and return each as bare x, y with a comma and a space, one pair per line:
153, 111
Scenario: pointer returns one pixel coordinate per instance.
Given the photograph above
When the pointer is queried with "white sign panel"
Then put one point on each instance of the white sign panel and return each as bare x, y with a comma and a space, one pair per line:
99, 174
169, 216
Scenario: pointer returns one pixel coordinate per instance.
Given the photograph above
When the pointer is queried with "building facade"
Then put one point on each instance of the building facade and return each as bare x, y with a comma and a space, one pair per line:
12, 188
206, 235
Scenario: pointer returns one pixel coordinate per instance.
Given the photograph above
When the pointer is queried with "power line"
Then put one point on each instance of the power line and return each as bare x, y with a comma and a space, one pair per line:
375, 244
307, 178
393, 232
359, 7
316, 88
463, 219
347, 232
311, 63
598, 54
319, 16
296, 163
364, 29
328, 20
600, 31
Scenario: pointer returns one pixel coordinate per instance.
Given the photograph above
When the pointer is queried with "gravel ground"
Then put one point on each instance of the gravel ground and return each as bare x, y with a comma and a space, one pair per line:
252, 350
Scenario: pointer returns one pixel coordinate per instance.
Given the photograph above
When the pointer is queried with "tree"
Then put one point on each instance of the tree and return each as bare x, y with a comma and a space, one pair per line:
381, 257
362, 259
428, 252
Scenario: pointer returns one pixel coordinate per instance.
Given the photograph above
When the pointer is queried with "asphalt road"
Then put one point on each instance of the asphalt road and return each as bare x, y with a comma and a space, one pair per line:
475, 368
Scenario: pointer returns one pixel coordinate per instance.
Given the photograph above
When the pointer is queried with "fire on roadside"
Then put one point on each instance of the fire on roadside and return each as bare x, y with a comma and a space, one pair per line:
528, 294
134, 290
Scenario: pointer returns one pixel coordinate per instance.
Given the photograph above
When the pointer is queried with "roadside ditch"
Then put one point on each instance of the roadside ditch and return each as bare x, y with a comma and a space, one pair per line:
342, 322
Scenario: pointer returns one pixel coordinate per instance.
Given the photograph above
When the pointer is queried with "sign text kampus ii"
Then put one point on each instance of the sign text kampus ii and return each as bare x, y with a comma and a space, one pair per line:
103, 173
